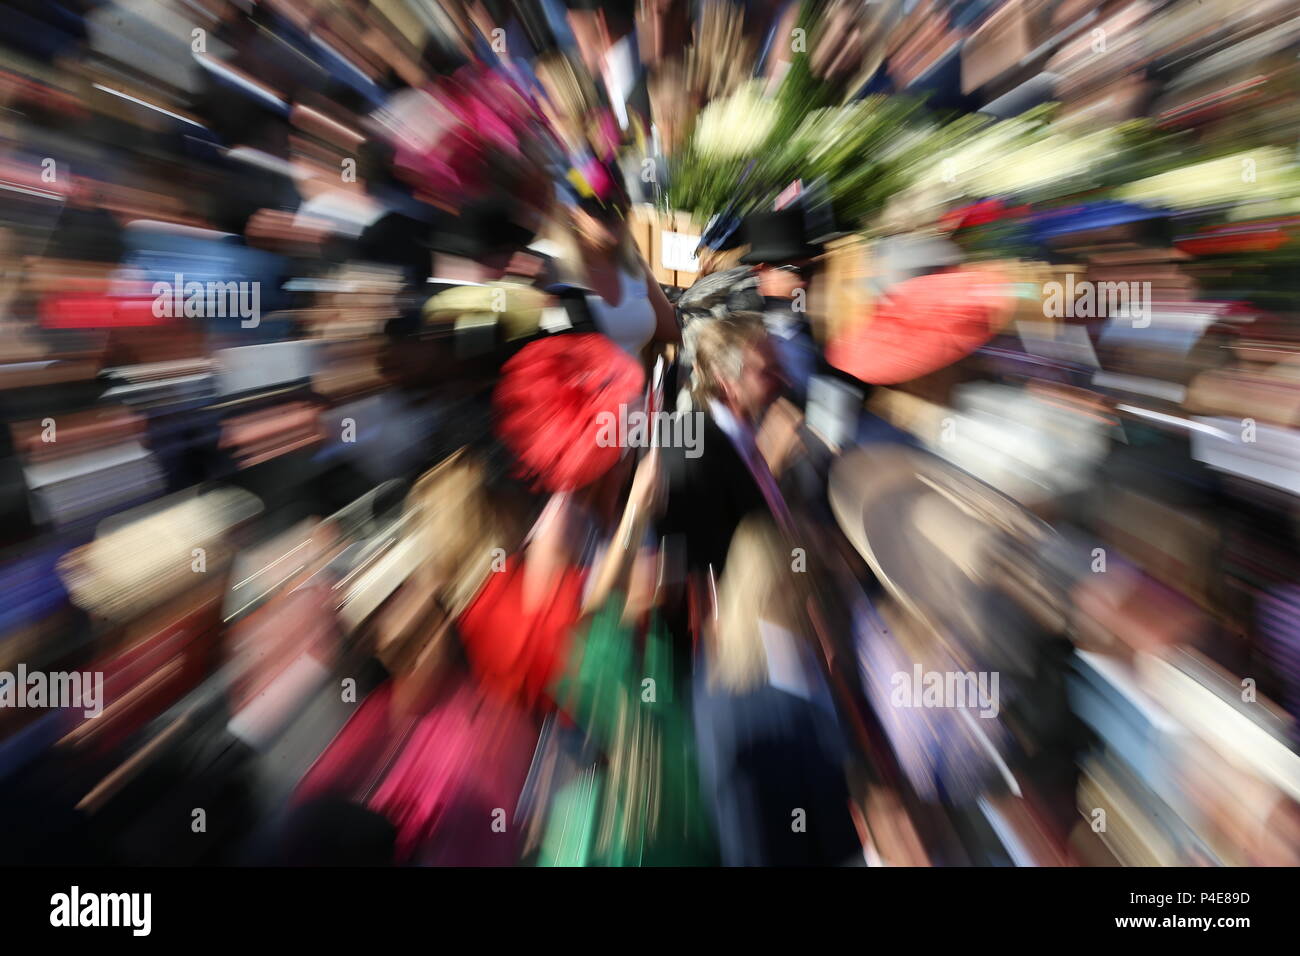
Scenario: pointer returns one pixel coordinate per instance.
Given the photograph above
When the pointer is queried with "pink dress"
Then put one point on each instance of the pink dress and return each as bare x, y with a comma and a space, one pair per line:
449, 781
453, 791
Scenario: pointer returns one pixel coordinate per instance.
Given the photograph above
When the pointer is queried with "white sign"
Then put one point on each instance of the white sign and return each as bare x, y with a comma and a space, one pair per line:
678, 251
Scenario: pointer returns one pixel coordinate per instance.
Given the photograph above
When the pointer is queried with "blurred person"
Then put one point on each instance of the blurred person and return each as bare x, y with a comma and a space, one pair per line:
430, 407
663, 28
517, 629
1278, 617
478, 245
1218, 755
726, 36
427, 749
487, 283
442, 352
19, 339
712, 488
954, 559
771, 751
622, 295
85, 248
599, 26
633, 797
783, 260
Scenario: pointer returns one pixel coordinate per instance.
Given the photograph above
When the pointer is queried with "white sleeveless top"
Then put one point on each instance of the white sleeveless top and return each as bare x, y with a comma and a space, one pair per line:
631, 323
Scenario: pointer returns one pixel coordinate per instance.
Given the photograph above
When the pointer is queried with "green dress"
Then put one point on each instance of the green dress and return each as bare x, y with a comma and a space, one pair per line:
640, 805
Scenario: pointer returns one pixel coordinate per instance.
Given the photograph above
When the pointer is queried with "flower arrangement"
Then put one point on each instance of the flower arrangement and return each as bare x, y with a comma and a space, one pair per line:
736, 125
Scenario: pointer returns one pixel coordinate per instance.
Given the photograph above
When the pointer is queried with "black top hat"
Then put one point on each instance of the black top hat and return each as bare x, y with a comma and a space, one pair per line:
399, 240
482, 229
777, 237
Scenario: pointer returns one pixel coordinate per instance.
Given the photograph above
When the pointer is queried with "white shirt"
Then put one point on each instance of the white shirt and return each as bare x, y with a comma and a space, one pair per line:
631, 323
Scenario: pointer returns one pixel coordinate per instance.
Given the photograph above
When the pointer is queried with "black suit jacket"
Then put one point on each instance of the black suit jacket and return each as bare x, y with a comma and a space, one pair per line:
708, 496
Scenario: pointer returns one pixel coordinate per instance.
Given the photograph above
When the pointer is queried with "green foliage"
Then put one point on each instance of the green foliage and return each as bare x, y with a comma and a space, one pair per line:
863, 152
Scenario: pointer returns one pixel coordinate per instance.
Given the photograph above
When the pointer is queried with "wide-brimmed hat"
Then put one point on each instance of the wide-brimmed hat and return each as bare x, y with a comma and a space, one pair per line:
511, 310
924, 324
777, 237
929, 531
554, 401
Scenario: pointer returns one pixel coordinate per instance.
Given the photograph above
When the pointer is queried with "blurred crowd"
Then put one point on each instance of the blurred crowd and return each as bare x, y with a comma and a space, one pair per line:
658, 432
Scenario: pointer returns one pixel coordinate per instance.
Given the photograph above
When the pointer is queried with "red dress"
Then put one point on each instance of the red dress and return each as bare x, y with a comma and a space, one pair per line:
516, 653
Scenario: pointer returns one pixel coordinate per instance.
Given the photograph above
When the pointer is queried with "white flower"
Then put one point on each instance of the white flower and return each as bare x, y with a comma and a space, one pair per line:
1262, 173
735, 125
